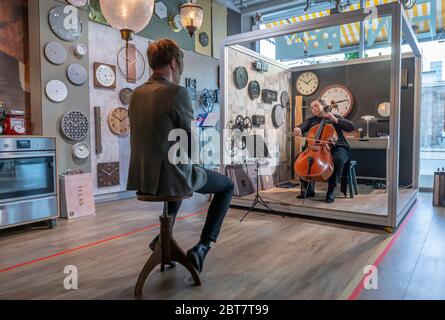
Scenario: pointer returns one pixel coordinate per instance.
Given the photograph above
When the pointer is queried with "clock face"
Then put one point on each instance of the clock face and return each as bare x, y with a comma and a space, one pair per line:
77, 74
384, 109
80, 50
105, 76
55, 53
108, 174
277, 116
285, 100
131, 63
119, 122
307, 83
75, 125
254, 89
175, 23
341, 96
124, 95
81, 150
56, 91
57, 21
240, 77
78, 3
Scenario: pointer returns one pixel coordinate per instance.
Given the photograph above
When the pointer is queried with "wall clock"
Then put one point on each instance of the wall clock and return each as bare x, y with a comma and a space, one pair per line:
191, 85
277, 116
175, 23
341, 95
74, 125
78, 3
108, 174
81, 150
161, 10
80, 50
57, 20
204, 39
384, 109
77, 74
307, 83
285, 100
104, 75
56, 91
254, 89
131, 63
119, 122
240, 77
124, 95
269, 96
55, 53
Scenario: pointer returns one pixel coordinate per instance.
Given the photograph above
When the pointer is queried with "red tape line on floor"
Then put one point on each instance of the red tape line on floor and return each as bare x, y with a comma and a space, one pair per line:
88, 245
360, 286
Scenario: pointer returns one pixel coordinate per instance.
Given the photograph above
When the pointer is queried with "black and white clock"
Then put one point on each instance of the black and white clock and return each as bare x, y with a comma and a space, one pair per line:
75, 125
339, 96
81, 150
277, 116
254, 89
240, 77
104, 75
307, 83
80, 50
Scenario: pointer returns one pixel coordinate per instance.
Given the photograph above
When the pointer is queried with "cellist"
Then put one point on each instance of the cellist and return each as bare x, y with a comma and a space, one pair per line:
340, 151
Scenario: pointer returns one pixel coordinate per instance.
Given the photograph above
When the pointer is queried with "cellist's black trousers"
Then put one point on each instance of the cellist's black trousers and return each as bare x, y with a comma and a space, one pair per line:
340, 156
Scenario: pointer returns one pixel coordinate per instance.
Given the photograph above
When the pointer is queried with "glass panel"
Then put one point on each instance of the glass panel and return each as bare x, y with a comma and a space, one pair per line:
26, 177
432, 110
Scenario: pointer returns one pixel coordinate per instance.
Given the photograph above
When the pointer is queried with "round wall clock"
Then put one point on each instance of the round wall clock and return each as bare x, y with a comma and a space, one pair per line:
57, 19
285, 100
254, 89
277, 116
77, 3
104, 76
74, 125
341, 96
124, 95
77, 74
119, 122
56, 91
131, 67
204, 39
81, 150
80, 50
55, 53
307, 83
384, 109
240, 77
175, 23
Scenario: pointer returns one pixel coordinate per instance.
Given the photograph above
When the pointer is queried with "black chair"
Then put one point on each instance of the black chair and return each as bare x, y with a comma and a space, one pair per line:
349, 180
166, 250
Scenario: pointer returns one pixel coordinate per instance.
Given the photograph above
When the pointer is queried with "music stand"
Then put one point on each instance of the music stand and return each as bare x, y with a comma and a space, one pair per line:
257, 149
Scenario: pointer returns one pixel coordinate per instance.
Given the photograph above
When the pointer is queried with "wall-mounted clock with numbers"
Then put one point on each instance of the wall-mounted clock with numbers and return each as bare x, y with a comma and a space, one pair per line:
341, 96
307, 83
104, 75
108, 174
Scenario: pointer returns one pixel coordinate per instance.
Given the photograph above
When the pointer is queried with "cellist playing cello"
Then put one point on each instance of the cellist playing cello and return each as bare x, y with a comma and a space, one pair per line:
340, 149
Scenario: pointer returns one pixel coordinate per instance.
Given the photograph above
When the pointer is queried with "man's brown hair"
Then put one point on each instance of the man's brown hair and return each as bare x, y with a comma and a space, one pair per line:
162, 52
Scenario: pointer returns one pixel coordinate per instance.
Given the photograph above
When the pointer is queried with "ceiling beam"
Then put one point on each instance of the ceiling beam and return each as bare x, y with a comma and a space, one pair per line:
229, 4
271, 6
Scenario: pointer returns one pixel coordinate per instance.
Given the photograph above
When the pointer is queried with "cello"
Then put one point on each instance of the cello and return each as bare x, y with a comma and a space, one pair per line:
315, 162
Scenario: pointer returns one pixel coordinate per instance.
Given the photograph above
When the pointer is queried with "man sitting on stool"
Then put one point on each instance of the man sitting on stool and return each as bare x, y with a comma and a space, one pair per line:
157, 107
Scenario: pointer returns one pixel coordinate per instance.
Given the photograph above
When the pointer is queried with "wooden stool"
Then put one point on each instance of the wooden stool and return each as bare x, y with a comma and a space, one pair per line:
350, 184
166, 250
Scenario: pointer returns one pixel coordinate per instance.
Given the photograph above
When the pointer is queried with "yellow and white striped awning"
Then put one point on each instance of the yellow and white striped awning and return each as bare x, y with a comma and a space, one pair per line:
350, 33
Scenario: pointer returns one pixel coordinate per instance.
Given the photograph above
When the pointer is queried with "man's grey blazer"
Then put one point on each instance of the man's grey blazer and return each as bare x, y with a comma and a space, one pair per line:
156, 108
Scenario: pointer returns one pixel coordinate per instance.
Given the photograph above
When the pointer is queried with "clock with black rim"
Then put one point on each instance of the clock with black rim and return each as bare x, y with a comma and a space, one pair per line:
285, 100
277, 116
240, 77
254, 89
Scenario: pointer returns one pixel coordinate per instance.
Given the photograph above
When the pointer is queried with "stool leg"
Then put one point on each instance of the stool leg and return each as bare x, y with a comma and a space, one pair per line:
152, 262
179, 255
354, 180
351, 192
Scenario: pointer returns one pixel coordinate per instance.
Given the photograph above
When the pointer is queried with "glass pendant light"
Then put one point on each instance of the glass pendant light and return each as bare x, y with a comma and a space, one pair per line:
191, 16
127, 16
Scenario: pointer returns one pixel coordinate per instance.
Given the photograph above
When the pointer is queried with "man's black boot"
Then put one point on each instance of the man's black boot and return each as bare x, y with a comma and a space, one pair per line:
197, 255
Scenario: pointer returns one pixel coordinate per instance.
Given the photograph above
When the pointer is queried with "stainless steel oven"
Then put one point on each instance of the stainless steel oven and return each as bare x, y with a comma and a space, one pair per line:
28, 185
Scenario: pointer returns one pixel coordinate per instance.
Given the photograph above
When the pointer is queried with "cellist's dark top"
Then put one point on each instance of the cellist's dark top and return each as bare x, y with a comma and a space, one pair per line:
343, 124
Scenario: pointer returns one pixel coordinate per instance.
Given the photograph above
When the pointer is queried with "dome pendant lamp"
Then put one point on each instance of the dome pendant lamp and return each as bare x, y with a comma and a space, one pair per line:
127, 16
191, 16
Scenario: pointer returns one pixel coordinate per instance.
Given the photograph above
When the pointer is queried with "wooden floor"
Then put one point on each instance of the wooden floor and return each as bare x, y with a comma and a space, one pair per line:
264, 257
369, 201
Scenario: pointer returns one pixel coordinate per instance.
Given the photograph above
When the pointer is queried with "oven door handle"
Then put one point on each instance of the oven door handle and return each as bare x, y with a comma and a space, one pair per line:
18, 155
